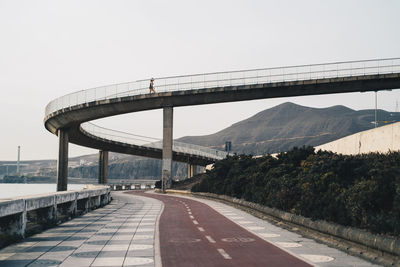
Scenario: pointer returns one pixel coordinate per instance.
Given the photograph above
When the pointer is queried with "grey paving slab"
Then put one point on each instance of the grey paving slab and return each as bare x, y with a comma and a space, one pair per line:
120, 234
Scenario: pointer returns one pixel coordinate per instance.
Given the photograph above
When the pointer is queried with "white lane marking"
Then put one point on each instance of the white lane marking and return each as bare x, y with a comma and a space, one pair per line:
236, 217
244, 222
255, 227
191, 217
4, 256
269, 235
288, 244
140, 237
189, 212
317, 258
195, 222
224, 254
210, 239
201, 229
137, 261
139, 247
141, 230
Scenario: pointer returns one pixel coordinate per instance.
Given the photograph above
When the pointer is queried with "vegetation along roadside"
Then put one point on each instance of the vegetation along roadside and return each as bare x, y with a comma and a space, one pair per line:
360, 191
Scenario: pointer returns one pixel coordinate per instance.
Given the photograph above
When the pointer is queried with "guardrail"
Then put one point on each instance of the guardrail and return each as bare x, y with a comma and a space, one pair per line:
230, 78
211, 80
47, 209
149, 142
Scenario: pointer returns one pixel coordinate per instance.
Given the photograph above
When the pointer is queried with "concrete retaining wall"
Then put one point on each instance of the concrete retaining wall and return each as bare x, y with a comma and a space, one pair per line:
48, 208
383, 243
382, 139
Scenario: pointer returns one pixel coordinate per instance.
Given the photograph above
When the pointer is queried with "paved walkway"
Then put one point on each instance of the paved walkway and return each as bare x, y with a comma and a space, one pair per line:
124, 233
240, 245
120, 234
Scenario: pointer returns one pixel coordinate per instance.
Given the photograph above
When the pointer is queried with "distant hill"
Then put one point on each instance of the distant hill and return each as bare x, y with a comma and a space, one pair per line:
272, 130
284, 126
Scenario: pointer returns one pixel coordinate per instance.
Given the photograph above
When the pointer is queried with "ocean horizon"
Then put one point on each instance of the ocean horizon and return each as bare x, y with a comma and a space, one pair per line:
9, 190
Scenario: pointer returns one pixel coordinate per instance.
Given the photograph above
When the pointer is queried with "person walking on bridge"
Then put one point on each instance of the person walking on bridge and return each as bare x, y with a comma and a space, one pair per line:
151, 86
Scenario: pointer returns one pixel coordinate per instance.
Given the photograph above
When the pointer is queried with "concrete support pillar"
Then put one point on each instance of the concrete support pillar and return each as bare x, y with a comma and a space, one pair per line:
62, 163
192, 170
167, 148
103, 167
73, 208
21, 224
52, 213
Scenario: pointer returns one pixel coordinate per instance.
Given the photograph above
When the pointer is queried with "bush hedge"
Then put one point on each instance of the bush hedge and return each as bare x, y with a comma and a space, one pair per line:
361, 191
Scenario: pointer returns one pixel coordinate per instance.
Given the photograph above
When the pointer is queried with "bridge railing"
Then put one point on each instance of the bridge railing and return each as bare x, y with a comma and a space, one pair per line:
230, 78
144, 141
211, 80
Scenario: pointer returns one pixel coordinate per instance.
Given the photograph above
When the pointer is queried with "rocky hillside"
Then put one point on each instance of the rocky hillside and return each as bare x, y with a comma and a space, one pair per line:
273, 130
284, 126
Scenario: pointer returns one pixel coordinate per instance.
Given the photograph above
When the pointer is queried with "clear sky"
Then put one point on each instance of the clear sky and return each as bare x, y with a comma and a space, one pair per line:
52, 48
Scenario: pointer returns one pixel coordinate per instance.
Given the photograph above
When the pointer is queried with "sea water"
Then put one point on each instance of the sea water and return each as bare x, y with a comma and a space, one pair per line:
17, 190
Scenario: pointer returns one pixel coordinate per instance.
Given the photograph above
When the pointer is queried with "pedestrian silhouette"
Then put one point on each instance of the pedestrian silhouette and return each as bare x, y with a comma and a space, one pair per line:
151, 86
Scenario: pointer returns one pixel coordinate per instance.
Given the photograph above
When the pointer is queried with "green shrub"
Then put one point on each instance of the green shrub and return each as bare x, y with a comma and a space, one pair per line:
361, 191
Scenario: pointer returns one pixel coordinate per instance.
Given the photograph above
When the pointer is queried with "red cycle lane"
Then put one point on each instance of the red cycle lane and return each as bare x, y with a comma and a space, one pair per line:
193, 234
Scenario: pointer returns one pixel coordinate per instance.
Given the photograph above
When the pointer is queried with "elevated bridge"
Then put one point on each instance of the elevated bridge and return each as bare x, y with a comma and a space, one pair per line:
69, 116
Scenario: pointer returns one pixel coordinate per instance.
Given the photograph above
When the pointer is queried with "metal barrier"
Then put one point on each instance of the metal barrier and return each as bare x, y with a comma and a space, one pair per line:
230, 78
150, 142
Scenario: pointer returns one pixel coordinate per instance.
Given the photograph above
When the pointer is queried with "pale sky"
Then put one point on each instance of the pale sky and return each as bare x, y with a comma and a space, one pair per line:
52, 48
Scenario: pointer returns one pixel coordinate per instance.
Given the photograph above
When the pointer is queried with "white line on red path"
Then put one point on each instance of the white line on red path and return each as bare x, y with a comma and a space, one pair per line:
224, 254
210, 239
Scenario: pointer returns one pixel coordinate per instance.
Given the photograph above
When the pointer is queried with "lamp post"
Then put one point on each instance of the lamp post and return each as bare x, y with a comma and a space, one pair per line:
376, 113
18, 159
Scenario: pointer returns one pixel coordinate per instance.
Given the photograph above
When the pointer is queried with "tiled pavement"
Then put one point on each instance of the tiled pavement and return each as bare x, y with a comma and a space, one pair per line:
120, 234
124, 234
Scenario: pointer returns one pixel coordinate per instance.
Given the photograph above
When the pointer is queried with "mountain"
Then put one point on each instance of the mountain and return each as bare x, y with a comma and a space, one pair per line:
272, 130
284, 126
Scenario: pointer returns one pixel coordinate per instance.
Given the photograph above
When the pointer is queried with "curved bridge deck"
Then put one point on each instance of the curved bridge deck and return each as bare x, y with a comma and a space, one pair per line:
68, 116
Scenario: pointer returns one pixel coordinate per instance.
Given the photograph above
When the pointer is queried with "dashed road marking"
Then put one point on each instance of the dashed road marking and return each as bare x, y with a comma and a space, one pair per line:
201, 229
210, 239
191, 217
224, 254
195, 222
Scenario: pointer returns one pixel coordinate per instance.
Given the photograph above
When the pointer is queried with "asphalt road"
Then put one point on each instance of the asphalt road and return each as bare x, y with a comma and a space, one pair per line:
193, 234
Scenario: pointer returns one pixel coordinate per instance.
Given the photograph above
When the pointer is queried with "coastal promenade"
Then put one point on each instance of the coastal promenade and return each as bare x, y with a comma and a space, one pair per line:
119, 234
192, 232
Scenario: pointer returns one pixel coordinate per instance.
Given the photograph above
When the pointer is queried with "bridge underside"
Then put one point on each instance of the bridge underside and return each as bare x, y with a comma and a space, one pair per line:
69, 119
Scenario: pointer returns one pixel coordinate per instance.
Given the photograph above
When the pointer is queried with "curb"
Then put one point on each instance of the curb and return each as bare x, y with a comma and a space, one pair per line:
384, 243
